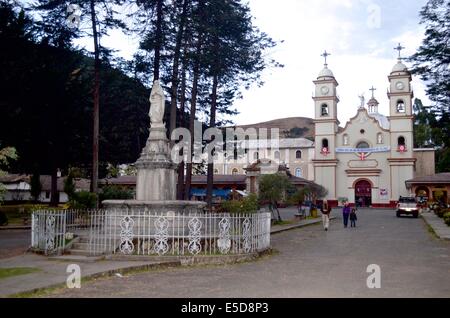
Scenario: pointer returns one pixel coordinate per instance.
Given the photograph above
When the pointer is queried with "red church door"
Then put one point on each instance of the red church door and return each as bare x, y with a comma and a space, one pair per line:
363, 193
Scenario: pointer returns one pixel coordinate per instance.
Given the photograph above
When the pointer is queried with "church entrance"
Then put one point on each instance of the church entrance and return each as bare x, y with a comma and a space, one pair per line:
363, 193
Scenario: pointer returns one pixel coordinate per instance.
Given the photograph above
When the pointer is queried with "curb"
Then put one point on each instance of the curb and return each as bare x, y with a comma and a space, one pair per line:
18, 227
107, 273
436, 231
297, 226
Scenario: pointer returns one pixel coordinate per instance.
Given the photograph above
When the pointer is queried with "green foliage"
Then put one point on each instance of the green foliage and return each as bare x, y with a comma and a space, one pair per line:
36, 186
83, 200
273, 187
447, 218
113, 192
246, 205
440, 211
69, 186
432, 62
7, 155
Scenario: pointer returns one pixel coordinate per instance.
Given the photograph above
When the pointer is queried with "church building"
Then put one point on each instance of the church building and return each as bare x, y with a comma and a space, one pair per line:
367, 161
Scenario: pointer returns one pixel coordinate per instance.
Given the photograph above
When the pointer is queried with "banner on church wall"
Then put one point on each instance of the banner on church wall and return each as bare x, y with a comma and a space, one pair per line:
363, 150
383, 193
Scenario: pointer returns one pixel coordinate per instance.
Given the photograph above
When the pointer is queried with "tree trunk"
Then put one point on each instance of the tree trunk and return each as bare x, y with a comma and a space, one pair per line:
158, 44
180, 185
212, 124
278, 211
191, 129
196, 71
175, 70
54, 195
95, 150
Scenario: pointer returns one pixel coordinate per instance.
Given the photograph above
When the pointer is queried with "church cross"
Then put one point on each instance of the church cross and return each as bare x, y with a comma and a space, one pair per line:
373, 91
399, 48
325, 55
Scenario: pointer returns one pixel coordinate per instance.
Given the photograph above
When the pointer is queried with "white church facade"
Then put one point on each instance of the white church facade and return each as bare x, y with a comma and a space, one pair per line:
369, 159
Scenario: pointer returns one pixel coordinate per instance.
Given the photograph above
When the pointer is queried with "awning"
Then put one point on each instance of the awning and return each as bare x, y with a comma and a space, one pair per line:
224, 193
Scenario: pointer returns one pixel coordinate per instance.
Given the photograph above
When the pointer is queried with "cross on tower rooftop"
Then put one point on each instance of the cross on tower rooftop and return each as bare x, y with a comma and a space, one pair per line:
373, 89
325, 55
399, 48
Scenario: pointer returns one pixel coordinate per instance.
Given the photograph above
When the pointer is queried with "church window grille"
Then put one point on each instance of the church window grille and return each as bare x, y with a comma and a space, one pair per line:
298, 154
299, 172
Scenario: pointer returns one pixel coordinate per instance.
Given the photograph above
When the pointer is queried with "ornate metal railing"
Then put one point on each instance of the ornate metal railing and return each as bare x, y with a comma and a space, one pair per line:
50, 229
148, 233
145, 233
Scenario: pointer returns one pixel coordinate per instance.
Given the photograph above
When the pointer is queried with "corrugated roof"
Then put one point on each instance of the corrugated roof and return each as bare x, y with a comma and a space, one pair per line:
437, 178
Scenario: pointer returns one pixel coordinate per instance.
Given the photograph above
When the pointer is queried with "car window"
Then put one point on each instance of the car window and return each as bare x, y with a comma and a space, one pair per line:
407, 200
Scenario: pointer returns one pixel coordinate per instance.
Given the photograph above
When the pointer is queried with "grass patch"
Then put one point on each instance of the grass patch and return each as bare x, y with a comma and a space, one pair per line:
16, 271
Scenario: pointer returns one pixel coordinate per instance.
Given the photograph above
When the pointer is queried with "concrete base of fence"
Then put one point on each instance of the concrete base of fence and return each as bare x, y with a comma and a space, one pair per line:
194, 260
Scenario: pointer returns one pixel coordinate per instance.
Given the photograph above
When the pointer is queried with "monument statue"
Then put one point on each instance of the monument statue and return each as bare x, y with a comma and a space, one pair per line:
363, 100
157, 103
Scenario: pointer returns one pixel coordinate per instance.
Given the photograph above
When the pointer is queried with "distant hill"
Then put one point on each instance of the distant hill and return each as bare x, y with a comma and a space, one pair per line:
293, 127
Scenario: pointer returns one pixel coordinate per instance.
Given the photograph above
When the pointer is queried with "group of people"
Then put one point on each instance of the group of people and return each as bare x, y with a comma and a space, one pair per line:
347, 213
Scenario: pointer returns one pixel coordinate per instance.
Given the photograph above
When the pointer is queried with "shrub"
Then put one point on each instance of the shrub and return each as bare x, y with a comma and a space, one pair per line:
246, 205
439, 211
447, 218
113, 192
83, 200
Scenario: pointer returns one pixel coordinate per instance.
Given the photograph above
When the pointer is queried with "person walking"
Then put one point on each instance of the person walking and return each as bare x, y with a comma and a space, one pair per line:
353, 218
346, 213
326, 210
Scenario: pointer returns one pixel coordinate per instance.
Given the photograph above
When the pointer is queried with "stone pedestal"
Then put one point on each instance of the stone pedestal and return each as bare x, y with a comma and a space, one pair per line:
156, 177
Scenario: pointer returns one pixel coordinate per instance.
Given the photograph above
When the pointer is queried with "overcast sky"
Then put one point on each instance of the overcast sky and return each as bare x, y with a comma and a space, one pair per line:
360, 35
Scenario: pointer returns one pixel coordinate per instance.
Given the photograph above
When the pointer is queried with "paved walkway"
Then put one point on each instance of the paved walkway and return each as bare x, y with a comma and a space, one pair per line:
53, 271
310, 263
14, 242
441, 229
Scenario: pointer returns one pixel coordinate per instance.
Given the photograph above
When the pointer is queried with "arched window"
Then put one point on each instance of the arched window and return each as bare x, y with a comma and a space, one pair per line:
298, 154
401, 106
276, 155
299, 173
363, 145
256, 155
345, 140
324, 110
235, 171
379, 138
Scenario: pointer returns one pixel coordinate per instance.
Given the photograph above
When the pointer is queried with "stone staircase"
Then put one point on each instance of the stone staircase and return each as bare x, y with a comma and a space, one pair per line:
82, 247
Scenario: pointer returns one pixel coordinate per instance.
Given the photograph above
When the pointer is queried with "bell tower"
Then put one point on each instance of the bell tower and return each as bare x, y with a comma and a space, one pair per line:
326, 127
401, 119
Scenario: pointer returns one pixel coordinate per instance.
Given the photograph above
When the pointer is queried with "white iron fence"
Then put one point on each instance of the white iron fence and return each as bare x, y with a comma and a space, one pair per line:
149, 233
49, 228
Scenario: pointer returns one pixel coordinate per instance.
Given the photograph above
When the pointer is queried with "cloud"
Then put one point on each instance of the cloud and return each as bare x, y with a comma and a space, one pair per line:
361, 56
